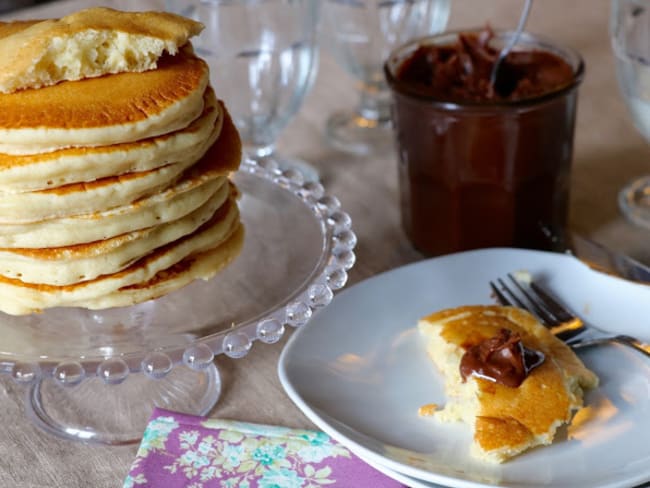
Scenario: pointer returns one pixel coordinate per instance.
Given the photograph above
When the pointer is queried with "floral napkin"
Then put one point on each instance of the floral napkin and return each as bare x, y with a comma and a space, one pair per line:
179, 450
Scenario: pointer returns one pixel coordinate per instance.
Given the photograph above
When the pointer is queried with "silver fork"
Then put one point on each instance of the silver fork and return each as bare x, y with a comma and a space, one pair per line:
561, 321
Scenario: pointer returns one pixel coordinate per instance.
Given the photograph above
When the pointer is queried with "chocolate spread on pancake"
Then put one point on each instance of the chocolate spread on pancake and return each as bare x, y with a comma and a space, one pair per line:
502, 358
480, 168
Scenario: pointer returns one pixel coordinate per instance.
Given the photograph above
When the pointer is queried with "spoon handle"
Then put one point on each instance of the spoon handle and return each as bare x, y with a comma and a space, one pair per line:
511, 43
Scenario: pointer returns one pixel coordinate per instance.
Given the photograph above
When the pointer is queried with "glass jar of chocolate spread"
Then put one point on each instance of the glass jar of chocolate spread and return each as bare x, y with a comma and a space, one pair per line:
483, 166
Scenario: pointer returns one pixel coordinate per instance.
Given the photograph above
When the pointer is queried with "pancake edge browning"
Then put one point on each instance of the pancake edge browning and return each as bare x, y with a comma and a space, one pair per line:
203, 265
171, 204
223, 157
19, 298
81, 262
33, 172
106, 110
220, 159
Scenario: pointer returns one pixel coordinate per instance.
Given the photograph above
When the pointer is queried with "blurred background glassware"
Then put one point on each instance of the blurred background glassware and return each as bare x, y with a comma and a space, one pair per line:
263, 59
360, 34
630, 36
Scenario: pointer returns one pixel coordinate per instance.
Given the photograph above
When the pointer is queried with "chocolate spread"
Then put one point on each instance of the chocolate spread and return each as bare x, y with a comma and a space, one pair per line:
461, 72
502, 358
480, 167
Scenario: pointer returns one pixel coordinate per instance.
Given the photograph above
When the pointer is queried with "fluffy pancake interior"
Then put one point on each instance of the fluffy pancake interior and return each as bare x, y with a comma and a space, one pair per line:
506, 420
89, 43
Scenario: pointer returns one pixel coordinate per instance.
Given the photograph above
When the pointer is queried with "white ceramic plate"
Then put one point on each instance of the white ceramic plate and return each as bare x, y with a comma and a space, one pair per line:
401, 477
359, 371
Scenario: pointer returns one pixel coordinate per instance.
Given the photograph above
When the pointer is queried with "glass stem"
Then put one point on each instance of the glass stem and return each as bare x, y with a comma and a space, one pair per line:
374, 106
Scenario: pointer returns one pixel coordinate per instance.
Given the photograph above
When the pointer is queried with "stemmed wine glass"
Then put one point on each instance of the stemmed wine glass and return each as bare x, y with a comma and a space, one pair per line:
630, 36
360, 34
263, 59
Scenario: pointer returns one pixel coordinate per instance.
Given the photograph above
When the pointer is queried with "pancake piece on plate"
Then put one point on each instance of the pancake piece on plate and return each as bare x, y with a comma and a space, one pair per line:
115, 157
505, 375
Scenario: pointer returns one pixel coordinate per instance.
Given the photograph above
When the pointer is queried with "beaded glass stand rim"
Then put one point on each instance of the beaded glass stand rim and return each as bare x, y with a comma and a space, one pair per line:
328, 275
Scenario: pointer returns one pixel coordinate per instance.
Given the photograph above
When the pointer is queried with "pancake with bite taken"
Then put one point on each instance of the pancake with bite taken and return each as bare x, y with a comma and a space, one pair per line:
506, 419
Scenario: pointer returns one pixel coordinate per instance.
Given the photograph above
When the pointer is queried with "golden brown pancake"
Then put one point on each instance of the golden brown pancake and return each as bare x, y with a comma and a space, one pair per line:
19, 173
15, 26
18, 297
86, 261
203, 265
106, 110
91, 42
116, 191
171, 204
506, 420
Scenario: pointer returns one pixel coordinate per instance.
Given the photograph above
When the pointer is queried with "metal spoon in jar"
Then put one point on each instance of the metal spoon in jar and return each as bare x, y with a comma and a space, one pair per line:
494, 75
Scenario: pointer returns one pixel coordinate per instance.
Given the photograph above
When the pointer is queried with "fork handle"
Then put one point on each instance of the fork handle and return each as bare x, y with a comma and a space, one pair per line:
635, 343
620, 339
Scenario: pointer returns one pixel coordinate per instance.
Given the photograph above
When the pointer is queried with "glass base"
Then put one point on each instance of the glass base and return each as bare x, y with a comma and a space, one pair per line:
634, 202
93, 411
352, 133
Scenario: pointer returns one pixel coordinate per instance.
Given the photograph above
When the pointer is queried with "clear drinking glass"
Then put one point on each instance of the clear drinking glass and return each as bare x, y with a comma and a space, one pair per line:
630, 35
263, 59
360, 34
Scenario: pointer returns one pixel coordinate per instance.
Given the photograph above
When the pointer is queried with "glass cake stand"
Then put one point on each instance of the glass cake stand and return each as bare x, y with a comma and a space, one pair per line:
96, 375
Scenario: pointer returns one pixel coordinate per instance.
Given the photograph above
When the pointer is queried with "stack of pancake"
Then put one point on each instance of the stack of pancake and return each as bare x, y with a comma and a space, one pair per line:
115, 155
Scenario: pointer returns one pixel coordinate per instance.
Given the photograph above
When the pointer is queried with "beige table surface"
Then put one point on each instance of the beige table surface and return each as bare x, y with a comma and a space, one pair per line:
608, 152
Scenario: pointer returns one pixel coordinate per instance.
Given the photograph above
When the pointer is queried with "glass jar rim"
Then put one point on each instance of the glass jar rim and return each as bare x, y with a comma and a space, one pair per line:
571, 56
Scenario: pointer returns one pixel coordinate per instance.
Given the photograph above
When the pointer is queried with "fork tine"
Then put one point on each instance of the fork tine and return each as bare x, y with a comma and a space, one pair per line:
560, 311
509, 295
536, 307
514, 299
548, 311
501, 298
560, 321
567, 325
